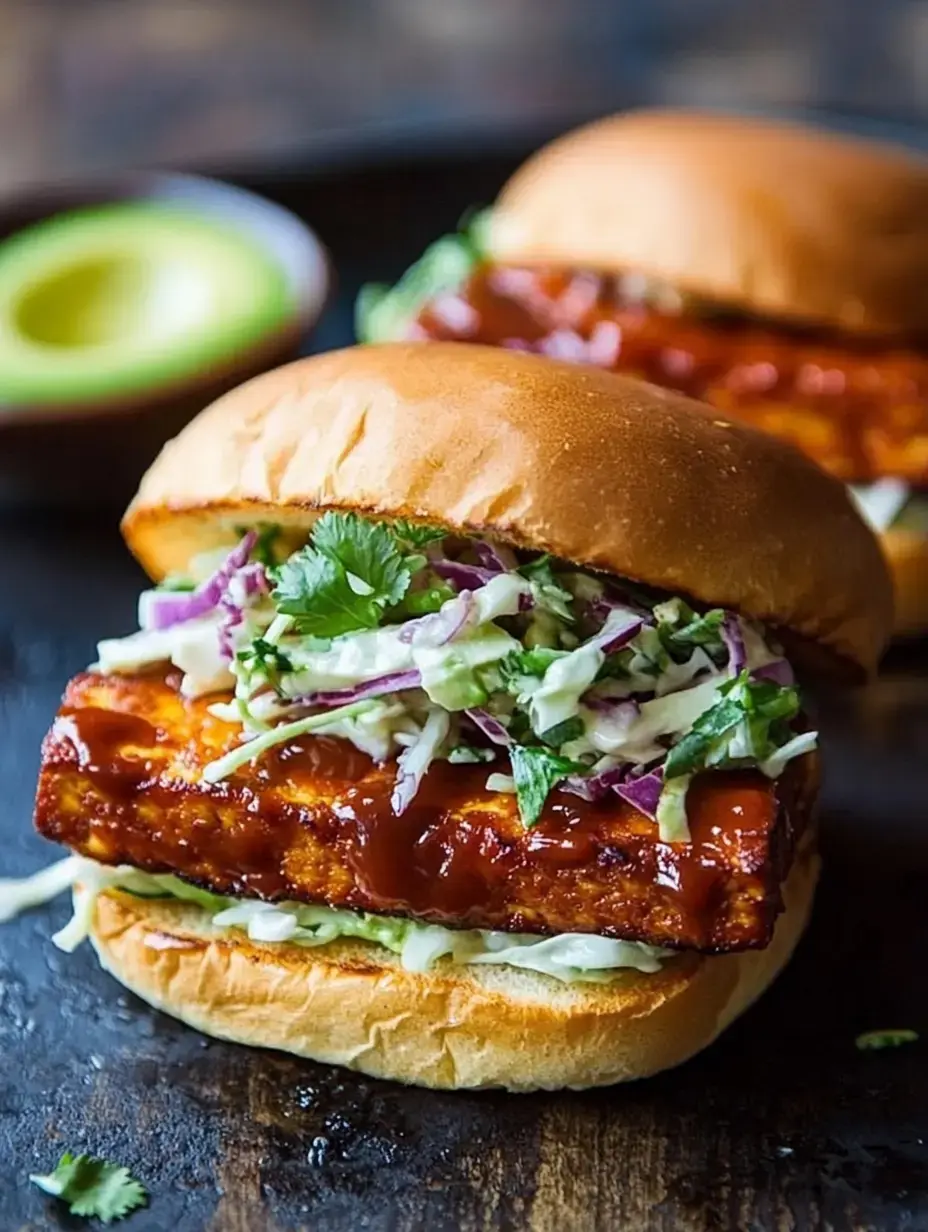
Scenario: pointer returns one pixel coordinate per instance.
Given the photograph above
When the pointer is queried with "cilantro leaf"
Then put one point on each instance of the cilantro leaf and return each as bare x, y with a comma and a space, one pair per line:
416, 534
691, 753
891, 1038
367, 550
344, 578
423, 602
681, 629
519, 664
535, 772
176, 582
760, 708
265, 657
92, 1187
547, 590
560, 733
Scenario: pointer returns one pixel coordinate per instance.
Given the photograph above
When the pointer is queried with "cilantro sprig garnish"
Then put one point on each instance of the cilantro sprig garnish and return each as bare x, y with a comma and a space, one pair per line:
345, 578
93, 1188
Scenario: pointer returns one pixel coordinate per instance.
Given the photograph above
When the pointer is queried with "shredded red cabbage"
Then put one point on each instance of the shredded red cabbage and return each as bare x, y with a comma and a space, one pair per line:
441, 627
595, 787
600, 609
391, 683
643, 792
620, 628
491, 727
619, 710
253, 580
498, 559
778, 672
176, 607
465, 577
734, 641
414, 761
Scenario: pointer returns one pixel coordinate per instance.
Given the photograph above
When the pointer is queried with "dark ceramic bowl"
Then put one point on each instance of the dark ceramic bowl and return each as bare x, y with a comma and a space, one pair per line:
94, 452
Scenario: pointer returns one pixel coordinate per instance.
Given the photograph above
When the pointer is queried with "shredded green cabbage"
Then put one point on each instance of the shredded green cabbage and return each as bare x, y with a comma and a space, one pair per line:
571, 958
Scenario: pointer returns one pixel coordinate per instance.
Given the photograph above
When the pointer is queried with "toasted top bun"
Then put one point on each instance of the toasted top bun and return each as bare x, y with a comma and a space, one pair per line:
777, 219
598, 469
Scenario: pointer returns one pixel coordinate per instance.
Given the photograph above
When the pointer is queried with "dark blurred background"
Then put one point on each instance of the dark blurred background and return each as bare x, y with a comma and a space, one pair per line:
88, 85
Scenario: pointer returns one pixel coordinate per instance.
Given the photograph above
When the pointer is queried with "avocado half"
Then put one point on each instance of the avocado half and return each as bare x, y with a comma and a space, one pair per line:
110, 300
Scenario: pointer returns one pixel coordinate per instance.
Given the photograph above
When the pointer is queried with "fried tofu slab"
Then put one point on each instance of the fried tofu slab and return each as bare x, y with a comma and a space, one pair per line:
311, 821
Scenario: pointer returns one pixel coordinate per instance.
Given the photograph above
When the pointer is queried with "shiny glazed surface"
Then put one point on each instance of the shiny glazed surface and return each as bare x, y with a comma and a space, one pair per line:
859, 409
311, 820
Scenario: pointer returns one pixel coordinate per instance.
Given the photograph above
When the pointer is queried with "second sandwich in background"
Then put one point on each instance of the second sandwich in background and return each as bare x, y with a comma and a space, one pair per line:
778, 272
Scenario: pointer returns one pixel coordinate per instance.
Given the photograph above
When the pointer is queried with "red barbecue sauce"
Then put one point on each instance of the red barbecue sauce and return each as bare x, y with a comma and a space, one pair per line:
858, 407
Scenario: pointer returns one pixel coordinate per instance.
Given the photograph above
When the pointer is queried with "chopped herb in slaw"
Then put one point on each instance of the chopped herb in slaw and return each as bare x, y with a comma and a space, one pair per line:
418, 644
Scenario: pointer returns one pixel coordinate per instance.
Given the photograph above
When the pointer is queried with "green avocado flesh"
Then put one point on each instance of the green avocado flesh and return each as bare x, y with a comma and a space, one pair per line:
120, 299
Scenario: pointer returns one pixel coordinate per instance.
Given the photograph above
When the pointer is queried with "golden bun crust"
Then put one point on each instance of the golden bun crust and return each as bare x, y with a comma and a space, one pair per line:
351, 1004
775, 218
907, 554
599, 469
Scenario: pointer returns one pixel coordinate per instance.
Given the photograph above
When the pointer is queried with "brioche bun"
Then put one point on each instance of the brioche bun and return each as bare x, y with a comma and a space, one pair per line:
601, 470
773, 218
352, 1004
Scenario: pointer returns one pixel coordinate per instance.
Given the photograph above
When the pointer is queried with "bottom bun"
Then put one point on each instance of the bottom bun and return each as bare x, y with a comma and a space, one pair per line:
907, 554
350, 1003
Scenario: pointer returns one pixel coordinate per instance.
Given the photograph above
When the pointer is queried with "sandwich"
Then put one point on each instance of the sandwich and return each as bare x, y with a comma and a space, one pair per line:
778, 272
460, 741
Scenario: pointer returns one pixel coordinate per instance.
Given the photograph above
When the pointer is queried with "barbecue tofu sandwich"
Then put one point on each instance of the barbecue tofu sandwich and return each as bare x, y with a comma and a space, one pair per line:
779, 273
460, 741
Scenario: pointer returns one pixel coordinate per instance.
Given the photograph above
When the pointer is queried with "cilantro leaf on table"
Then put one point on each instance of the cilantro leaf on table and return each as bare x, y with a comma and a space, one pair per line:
535, 772
895, 1037
93, 1188
345, 577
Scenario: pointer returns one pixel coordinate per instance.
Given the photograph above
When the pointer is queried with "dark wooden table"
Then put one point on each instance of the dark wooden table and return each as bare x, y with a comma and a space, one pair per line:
782, 1125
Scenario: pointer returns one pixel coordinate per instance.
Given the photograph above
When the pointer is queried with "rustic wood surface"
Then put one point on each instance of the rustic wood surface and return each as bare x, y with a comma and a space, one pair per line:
93, 84
782, 1125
